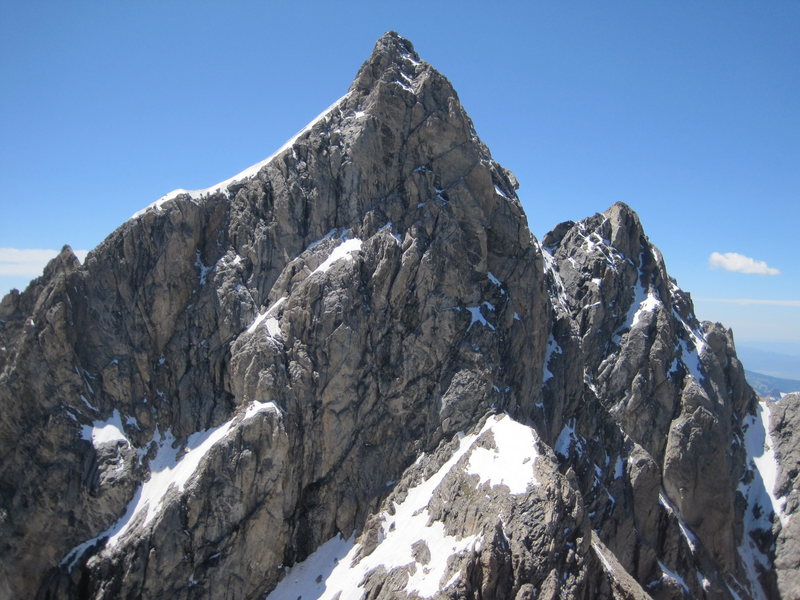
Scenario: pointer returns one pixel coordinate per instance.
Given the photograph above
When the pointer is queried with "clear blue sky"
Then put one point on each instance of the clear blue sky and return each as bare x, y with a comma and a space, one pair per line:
687, 111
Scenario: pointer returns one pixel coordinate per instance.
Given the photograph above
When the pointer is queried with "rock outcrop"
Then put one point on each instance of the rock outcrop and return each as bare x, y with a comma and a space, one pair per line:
784, 439
352, 369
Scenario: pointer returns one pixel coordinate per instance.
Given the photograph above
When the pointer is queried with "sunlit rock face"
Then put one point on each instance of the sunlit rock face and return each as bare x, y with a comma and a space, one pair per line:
352, 370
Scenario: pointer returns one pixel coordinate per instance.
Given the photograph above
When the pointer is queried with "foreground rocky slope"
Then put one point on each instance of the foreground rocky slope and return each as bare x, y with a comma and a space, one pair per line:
352, 369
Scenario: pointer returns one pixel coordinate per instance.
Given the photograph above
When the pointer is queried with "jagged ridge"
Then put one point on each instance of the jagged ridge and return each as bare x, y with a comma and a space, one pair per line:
240, 376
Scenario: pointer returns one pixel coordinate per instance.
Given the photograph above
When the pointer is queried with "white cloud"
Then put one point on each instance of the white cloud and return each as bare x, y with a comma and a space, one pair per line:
29, 262
749, 301
732, 261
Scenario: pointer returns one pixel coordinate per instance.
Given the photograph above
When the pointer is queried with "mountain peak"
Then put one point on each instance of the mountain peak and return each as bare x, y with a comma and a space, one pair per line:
625, 229
354, 360
391, 40
392, 54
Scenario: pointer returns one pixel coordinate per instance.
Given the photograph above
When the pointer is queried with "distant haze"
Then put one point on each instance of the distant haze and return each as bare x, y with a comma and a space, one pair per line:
775, 364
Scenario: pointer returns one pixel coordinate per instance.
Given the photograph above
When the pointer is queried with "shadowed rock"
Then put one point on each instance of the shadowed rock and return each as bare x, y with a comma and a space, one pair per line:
353, 369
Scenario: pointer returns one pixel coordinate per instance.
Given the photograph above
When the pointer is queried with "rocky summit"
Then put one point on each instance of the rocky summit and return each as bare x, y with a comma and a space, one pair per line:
351, 372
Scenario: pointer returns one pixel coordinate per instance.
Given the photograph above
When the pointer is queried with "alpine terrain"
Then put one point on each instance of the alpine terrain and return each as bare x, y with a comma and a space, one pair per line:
351, 372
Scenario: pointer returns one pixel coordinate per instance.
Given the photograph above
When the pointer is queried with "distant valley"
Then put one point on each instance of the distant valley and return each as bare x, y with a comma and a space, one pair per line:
771, 387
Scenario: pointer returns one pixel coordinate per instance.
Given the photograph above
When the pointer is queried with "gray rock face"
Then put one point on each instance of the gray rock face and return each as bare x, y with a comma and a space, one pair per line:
663, 405
784, 431
353, 369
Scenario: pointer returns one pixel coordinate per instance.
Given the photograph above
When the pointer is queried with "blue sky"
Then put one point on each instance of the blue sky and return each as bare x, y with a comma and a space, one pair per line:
686, 111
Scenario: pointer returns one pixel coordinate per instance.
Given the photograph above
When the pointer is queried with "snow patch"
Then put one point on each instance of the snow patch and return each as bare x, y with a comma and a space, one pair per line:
557, 291
703, 581
649, 304
643, 301
388, 227
695, 335
171, 469
672, 575
599, 552
759, 494
311, 578
410, 58
87, 403
618, 468
691, 360
337, 568
477, 315
202, 270
500, 192
563, 445
273, 325
256, 407
166, 471
760, 448
595, 242
512, 462
552, 348
688, 535
494, 279
405, 82
105, 432
327, 236
343, 251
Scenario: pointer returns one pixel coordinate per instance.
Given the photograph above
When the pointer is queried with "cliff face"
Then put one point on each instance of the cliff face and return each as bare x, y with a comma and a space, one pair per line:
353, 369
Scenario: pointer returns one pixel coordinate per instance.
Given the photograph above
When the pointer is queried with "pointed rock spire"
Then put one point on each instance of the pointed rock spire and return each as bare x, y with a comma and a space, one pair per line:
392, 54
65, 262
